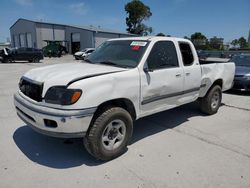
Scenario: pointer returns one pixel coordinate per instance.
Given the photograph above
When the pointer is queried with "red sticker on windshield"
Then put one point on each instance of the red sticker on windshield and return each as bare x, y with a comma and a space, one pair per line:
136, 48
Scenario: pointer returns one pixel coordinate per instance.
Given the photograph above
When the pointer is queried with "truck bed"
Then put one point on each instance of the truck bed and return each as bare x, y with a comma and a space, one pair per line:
213, 71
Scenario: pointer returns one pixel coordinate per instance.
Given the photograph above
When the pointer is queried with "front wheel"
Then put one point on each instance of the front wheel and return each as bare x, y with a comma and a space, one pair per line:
212, 101
7, 60
109, 135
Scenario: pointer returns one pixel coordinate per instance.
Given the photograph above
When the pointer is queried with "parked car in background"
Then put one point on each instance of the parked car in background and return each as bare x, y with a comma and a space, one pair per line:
21, 54
242, 73
202, 54
81, 55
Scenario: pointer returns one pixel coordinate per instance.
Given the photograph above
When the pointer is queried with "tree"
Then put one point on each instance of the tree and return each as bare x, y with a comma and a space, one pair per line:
137, 13
243, 42
161, 34
235, 42
199, 40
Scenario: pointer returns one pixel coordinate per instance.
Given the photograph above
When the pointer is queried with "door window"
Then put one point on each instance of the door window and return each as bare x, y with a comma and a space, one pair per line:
162, 55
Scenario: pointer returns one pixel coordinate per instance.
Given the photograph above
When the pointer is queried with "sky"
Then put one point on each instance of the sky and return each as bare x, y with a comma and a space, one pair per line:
228, 19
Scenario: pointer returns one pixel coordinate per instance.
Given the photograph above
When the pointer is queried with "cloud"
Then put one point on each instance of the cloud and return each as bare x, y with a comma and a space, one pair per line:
25, 2
79, 8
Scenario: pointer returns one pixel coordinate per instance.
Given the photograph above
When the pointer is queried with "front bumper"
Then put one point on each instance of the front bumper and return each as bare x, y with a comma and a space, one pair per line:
66, 123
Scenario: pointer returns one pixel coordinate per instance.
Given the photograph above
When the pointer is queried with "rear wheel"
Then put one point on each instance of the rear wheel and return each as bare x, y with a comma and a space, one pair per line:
109, 135
212, 101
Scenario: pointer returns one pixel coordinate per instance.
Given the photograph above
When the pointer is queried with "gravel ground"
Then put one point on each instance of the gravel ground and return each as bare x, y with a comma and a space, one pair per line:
176, 148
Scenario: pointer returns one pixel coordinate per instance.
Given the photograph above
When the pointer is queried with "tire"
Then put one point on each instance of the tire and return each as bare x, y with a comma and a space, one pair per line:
7, 60
212, 101
109, 134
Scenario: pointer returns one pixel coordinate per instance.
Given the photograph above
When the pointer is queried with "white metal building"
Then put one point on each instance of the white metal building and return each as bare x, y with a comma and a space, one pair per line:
28, 33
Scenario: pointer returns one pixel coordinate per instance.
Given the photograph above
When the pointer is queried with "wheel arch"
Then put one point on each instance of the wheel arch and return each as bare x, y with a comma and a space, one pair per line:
218, 82
124, 103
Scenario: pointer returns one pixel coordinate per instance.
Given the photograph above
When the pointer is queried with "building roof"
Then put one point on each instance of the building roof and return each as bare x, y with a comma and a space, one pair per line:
89, 28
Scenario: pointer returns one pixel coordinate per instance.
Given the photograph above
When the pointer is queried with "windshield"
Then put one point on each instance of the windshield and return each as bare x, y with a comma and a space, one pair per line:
122, 53
241, 60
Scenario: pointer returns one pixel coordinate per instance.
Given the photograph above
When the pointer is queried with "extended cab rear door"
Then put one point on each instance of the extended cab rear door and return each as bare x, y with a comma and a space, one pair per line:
162, 78
192, 72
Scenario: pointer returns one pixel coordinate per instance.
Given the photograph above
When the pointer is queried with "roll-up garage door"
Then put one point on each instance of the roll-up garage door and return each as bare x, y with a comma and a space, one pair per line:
75, 37
22, 40
16, 41
75, 42
29, 40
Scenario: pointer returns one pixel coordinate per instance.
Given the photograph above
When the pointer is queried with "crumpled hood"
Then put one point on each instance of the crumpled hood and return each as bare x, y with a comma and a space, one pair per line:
242, 70
62, 74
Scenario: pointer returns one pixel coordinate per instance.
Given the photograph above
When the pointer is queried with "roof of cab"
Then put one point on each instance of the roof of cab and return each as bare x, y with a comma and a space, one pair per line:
151, 38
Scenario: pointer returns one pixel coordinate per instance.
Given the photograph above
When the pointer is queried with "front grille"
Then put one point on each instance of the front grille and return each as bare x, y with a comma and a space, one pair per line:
31, 89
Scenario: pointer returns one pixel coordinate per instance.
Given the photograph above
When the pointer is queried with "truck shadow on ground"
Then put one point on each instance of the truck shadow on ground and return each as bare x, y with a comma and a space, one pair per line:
62, 153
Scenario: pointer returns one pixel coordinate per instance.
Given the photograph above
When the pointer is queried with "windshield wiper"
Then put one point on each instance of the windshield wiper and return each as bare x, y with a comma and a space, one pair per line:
108, 63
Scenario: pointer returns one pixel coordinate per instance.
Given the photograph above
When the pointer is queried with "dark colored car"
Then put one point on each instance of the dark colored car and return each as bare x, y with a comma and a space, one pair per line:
21, 54
242, 72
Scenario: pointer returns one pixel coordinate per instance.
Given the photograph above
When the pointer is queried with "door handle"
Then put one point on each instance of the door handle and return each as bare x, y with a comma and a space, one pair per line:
187, 73
178, 75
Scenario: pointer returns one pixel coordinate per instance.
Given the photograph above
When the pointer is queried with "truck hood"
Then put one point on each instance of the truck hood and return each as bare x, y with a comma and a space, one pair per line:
63, 74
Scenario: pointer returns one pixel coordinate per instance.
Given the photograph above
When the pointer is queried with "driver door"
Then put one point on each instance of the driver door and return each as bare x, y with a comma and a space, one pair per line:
162, 79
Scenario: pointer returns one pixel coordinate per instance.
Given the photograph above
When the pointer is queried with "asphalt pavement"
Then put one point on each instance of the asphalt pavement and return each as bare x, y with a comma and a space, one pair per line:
176, 148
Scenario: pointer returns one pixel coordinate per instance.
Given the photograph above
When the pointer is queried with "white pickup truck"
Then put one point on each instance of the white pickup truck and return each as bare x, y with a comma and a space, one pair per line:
122, 81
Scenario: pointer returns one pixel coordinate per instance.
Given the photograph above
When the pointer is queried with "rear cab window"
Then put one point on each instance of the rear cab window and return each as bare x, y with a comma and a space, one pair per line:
187, 54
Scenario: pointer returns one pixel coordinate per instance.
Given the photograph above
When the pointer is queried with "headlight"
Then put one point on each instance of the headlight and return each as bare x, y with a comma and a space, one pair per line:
61, 95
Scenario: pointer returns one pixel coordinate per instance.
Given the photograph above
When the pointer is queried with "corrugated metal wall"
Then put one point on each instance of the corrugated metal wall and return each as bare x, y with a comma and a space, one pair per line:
49, 32
20, 31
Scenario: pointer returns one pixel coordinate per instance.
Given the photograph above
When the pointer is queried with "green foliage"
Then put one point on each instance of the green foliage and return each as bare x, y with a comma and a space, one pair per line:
137, 13
243, 42
161, 34
199, 40
235, 42
198, 35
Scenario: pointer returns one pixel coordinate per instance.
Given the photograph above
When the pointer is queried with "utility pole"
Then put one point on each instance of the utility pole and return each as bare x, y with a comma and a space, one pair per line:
249, 38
